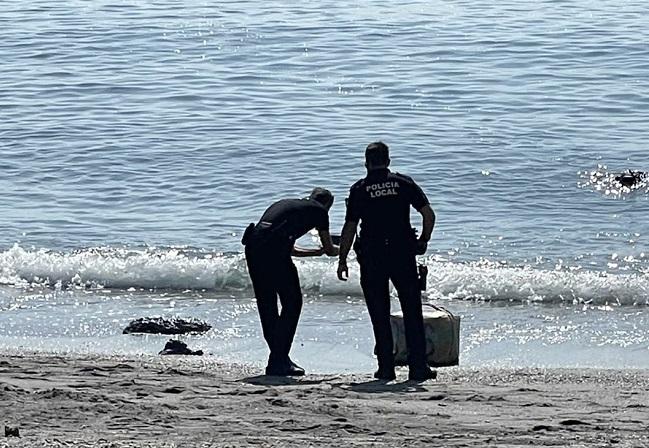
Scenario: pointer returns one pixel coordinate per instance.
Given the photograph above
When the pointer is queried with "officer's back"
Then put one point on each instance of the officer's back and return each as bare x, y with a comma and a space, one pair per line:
382, 201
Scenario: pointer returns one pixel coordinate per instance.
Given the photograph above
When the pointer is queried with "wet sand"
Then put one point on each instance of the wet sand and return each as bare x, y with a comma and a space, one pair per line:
195, 401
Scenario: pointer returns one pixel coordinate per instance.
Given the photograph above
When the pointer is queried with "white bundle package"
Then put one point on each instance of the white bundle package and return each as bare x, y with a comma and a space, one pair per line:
442, 333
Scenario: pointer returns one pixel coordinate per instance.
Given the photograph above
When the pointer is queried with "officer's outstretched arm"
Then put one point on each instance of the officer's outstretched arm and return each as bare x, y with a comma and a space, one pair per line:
304, 252
327, 244
346, 240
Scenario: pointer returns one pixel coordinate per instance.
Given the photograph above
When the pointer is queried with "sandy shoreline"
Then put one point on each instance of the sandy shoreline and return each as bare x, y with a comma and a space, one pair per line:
193, 401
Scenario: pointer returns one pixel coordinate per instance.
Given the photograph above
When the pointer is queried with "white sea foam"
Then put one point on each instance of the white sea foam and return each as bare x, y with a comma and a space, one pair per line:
486, 281
124, 268
176, 269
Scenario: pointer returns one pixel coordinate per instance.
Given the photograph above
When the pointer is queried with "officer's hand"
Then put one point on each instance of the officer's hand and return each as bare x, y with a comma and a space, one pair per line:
342, 269
421, 247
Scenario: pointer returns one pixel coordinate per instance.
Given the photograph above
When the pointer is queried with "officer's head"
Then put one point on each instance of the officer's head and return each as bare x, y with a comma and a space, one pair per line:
323, 196
377, 156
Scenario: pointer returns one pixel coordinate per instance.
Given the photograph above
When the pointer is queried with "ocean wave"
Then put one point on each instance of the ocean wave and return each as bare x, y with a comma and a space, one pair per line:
124, 268
191, 269
494, 282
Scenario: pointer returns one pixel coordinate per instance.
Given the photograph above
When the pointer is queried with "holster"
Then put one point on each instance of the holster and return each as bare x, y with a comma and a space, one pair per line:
422, 273
266, 233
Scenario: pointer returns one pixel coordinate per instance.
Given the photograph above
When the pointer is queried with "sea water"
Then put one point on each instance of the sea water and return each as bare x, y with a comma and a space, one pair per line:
139, 138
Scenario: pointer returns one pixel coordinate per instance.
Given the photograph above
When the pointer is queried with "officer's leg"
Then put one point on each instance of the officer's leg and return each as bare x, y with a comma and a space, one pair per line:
290, 297
261, 273
376, 289
403, 272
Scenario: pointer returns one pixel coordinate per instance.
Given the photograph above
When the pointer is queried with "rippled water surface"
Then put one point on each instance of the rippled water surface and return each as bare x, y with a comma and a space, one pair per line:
139, 138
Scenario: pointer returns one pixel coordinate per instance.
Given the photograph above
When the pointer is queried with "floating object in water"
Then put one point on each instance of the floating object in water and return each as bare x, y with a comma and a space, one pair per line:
12, 431
615, 183
631, 178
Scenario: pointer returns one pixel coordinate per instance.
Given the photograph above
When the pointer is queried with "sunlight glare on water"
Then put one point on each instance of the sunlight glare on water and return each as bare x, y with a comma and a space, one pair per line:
139, 139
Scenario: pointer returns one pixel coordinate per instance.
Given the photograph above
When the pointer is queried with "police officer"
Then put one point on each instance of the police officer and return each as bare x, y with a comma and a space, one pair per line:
269, 246
386, 251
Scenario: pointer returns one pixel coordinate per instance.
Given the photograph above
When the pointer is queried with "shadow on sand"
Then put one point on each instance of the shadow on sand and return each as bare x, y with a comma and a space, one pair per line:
270, 380
373, 386
382, 386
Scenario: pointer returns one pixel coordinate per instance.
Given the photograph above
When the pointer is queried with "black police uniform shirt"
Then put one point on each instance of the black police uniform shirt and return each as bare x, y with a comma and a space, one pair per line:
381, 202
293, 218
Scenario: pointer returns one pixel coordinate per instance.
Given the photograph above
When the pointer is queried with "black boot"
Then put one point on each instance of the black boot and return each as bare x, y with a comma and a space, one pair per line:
386, 371
297, 370
385, 374
284, 367
421, 373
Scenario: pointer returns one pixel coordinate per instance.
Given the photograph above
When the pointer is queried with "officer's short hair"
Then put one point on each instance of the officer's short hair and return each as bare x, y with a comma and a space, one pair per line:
377, 153
322, 195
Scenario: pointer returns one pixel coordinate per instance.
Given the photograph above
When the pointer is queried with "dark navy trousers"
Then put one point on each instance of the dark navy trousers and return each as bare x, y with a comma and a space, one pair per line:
381, 262
274, 277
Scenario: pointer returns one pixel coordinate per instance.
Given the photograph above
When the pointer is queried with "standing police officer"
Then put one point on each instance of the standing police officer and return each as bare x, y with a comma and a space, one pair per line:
269, 246
386, 251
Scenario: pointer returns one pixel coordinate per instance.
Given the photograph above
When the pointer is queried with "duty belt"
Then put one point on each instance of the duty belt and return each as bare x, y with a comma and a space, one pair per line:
265, 231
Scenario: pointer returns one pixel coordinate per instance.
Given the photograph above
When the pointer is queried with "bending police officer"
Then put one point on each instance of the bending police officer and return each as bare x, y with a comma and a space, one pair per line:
386, 251
269, 246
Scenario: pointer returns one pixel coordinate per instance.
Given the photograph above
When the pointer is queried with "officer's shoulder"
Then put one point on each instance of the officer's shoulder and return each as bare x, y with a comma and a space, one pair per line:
358, 184
403, 177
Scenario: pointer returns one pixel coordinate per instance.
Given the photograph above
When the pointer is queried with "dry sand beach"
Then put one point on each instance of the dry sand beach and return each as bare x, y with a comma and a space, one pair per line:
186, 402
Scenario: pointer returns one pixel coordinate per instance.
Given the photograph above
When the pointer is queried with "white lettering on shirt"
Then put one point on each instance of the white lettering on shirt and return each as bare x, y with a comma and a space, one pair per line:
382, 189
